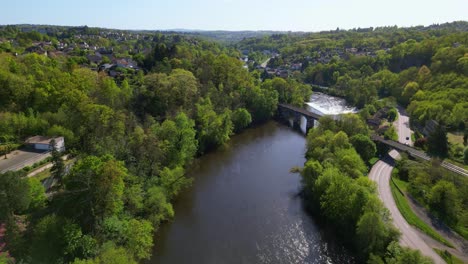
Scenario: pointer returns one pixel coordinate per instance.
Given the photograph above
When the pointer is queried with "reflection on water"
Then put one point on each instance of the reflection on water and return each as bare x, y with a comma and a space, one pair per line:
244, 207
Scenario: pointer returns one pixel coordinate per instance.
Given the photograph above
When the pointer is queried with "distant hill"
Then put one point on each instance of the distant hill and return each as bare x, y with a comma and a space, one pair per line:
223, 36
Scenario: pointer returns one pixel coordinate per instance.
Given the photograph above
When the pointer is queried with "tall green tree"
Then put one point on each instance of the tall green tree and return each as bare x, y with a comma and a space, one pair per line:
438, 143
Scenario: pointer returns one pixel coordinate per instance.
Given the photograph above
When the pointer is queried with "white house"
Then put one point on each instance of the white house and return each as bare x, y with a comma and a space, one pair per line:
43, 143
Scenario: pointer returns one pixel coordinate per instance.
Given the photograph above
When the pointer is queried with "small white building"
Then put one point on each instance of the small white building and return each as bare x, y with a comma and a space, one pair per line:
43, 143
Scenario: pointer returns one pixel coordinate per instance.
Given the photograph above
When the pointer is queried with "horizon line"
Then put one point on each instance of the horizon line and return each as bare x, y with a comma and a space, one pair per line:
231, 30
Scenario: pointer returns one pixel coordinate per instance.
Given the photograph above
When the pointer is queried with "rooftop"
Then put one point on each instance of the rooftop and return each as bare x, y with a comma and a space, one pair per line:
40, 140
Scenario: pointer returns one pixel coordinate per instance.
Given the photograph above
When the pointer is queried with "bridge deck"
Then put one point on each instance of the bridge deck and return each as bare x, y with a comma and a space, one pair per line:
300, 110
420, 154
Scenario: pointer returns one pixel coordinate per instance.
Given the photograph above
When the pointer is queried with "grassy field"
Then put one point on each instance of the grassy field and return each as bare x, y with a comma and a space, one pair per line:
43, 175
455, 139
449, 258
410, 216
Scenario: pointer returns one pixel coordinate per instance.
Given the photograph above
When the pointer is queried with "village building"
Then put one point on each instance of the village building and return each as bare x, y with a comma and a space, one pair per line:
44, 143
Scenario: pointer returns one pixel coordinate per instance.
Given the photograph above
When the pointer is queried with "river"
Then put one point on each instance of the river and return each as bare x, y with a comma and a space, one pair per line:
243, 207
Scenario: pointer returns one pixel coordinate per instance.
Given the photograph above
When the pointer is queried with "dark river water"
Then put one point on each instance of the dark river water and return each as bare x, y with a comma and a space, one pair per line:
244, 207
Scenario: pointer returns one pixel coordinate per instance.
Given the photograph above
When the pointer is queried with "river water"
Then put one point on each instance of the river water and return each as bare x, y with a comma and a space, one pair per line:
324, 104
244, 207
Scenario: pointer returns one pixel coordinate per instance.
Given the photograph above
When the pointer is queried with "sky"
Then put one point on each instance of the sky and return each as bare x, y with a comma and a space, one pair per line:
284, 15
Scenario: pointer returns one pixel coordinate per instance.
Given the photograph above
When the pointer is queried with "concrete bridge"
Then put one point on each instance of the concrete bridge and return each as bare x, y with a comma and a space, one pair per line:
419, 154
293, 113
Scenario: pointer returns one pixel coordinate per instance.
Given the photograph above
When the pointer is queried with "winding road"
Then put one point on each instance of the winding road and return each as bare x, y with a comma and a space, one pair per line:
402, 126
381, 173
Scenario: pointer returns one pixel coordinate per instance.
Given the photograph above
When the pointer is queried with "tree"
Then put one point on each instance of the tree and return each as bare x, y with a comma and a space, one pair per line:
56, 239
95, 188
465, 156
391, 133
14, 194
139, 238
350, 163
371, 233
437, 143
445, 201
109, 254
364, 146
410, 90
177, 140
400, 255
37, 194
214, 129
58, 167
241, 118
392, 114
311, 171
352, 124
156, 205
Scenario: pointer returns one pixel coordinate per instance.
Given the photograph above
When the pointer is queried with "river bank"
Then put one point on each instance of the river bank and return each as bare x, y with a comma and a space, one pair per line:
244, 207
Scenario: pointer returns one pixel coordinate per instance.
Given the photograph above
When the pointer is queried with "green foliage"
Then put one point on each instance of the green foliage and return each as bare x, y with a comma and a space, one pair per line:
15, 194
56, 239
465, 156
364, 146
449, 258
241, 119
392, 114
95, 187
261, 103
139, 238
289, 91
214, 129
438, 143
391, 133
399, 255
443, 199
157, 206
37, 194
109, 254
58, 165
411, 217
333, 183
179, 144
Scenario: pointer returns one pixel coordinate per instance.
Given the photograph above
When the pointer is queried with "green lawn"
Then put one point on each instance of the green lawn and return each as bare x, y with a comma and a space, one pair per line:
411, 217
373, 161
455, 139
42, 175
401, 184
449, 258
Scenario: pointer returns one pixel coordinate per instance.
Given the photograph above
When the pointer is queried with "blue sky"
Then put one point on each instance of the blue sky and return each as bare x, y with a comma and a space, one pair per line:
295, 15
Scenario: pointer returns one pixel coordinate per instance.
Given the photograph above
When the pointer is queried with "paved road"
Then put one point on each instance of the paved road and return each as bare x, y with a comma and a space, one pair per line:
404, 131
402, 126
380, 173
19, 159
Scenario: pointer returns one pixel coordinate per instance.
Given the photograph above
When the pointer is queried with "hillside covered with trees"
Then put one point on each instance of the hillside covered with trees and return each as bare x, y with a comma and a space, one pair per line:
136, 108
133, 136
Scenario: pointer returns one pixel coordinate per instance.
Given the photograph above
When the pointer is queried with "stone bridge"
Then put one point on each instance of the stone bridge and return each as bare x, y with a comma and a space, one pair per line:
293, 113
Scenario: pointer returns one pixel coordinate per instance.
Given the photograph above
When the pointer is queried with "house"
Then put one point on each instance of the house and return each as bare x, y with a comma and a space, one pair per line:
374, 122
96, 58
44, 143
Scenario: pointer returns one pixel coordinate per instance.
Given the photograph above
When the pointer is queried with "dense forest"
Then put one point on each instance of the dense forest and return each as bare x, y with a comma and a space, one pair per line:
424, 68
336, 188
135, 109
132, 137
